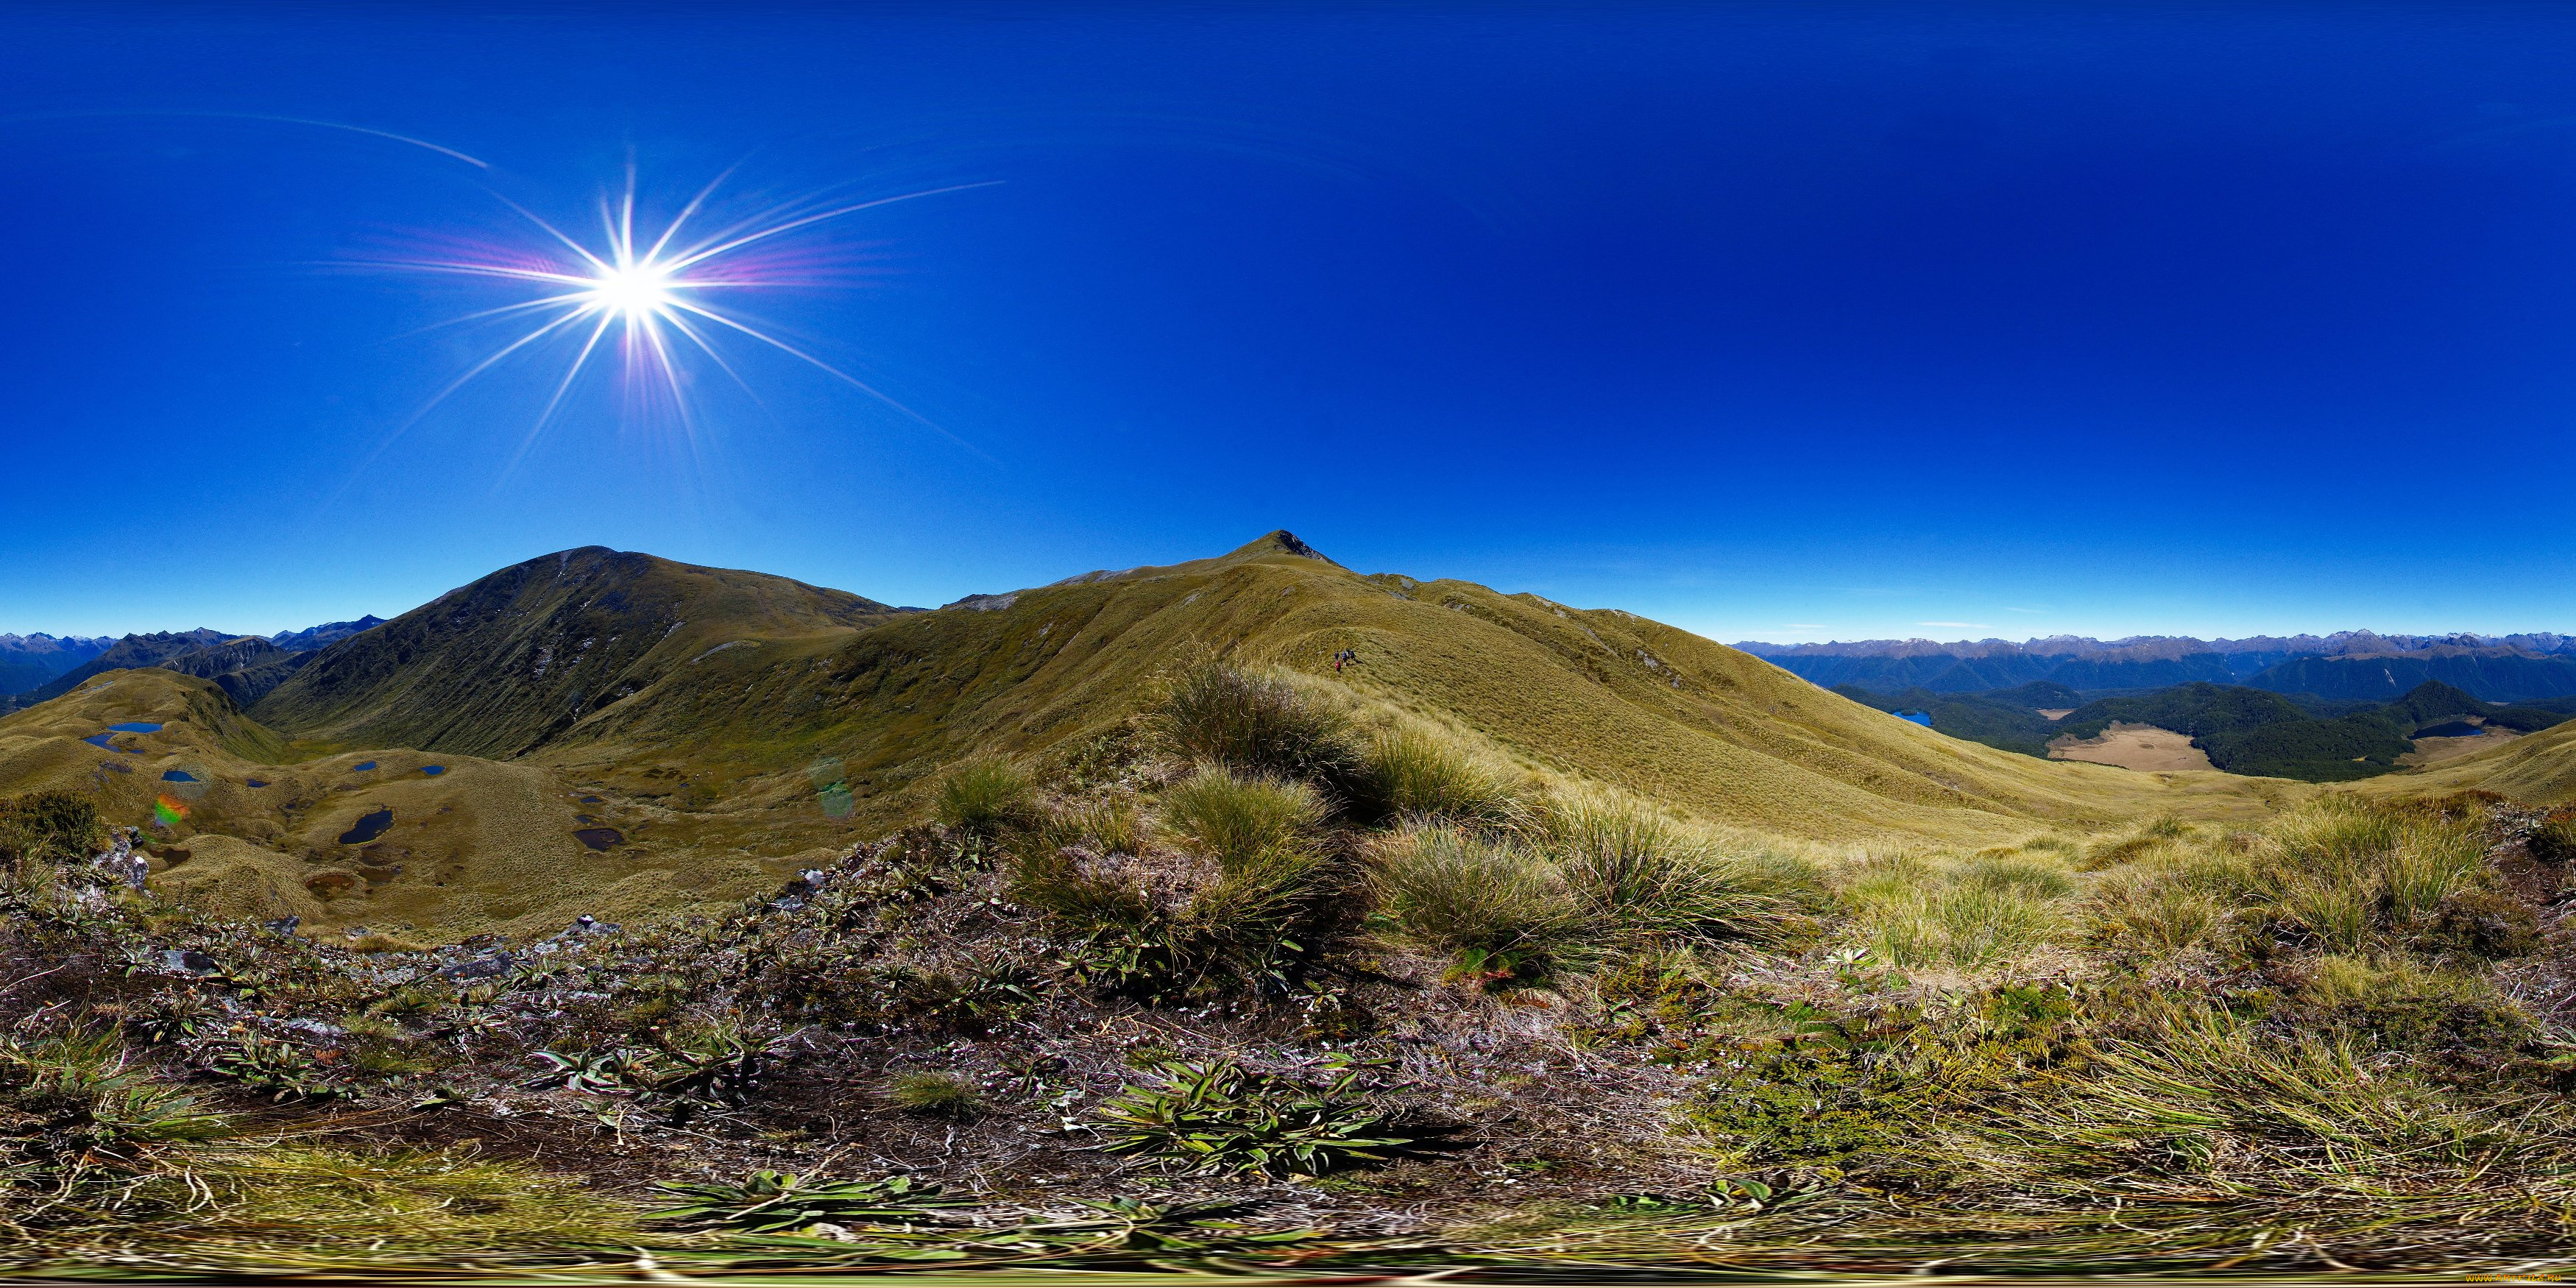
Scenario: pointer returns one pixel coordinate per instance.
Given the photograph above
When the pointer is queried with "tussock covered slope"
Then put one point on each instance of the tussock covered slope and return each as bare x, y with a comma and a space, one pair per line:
2538, 769
477, 845
1601, 695
503, 664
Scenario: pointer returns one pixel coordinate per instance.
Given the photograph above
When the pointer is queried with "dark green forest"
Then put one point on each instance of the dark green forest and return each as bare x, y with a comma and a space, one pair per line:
2243, 730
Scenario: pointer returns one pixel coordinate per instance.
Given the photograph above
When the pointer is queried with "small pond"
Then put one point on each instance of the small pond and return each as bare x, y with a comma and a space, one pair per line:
433, 770
600, 838
99, 740
136, 726
177, 776
2451, 729
1923, 718
253, 782
369, 828
363, 766
591, 800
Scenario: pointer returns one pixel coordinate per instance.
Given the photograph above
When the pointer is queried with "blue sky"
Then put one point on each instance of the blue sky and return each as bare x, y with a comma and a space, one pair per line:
1772, 322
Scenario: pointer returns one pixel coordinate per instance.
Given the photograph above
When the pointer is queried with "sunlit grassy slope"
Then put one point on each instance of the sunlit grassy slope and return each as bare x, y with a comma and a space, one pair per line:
696, 711
480, 845
1601, 695
2538, 769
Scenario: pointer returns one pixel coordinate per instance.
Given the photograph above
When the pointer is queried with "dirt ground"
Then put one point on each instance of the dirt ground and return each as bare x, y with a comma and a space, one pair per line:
2134, 746
2057, 713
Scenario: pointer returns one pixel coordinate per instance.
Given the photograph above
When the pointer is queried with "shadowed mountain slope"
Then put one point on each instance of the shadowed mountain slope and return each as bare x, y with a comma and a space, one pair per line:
133, 650
500, 666
2496, 675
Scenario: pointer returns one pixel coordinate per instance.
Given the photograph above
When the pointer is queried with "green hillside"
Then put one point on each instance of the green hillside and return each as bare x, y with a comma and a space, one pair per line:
1601, 695
711, 706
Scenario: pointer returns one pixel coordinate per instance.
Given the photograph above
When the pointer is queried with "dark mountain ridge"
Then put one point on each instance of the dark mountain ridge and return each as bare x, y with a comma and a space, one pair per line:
2344, 666
575, 631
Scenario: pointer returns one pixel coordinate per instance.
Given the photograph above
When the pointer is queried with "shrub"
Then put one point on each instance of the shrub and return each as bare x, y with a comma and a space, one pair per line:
1257, 723
1219, 1117
1420, 775
987, 796
1488, 901
940, 1095
2554, 841
49, 827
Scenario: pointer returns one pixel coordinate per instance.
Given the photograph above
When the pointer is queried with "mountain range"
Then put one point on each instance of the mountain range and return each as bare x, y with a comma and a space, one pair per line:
697, 717
246, 665
2344, 666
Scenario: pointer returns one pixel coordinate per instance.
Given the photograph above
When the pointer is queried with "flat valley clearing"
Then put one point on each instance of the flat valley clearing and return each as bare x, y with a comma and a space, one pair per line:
2136, 746
2434, 751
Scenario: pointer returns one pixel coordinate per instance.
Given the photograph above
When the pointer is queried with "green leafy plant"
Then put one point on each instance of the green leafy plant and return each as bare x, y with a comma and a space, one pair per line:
283, 1069
769, 1202
1217, 1116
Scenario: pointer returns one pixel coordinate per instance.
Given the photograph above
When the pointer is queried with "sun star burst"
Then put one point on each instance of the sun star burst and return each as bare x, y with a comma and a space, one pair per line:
647, 299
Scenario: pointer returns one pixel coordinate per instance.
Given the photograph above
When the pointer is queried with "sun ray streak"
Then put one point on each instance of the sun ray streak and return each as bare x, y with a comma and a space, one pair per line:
854, 382
655, 299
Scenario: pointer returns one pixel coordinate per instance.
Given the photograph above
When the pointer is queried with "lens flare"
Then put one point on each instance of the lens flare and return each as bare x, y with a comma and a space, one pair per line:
168, 810
647, 298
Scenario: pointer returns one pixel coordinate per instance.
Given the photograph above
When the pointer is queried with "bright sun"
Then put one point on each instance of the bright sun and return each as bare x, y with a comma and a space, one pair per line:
635, 290
651, 292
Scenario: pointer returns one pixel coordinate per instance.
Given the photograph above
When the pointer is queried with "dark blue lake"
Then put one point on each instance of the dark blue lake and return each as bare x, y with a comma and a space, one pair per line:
369, 828
433, 770
600, 838
1923, 718
253, 782
177, 776
99, 740
137, 726
362, 768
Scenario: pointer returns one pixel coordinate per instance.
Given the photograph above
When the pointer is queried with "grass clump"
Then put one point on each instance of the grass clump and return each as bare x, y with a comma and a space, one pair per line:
1633, 868
1915, 910
1227, 910
1261, 724
1217, 1116
937, 1095
1489, 903
1418, 775
1245, 823
986, 797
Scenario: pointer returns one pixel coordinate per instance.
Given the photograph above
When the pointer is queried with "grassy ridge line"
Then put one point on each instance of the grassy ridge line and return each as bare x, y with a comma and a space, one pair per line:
1597, 695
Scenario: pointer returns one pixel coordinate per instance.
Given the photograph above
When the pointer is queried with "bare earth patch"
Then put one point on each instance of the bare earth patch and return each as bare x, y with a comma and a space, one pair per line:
2057, 713
2133, 746
2434, 751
